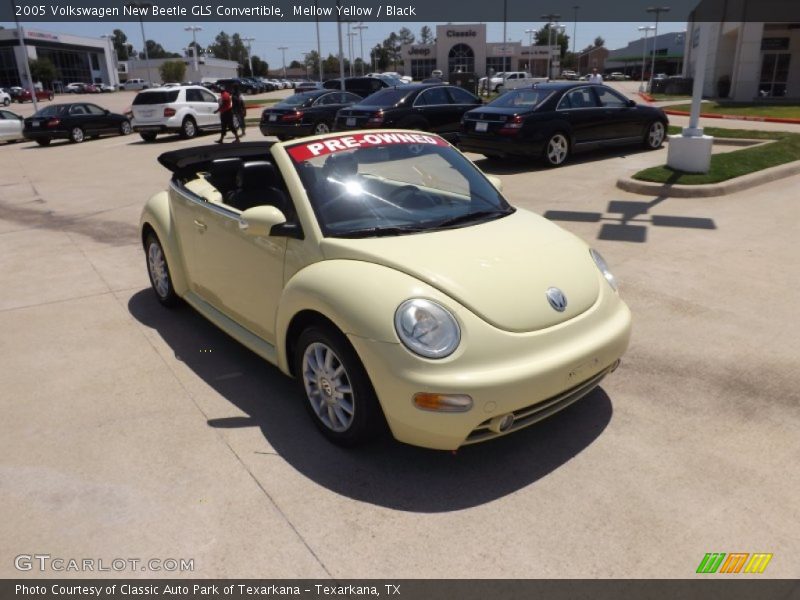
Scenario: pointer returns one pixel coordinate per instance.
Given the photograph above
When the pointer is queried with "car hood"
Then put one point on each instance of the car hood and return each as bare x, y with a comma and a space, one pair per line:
499, 270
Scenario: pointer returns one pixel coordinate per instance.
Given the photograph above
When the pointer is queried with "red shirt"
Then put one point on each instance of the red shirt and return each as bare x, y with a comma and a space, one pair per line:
225, 102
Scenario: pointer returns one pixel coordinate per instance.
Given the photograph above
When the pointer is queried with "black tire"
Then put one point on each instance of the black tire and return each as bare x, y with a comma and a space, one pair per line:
321, 127
43, 141
77, 135
50, 97
283, 138
6, 101
188, 128
148, 136
365, 419
125, 128
158, 271
493, 157
654, 135
556, 149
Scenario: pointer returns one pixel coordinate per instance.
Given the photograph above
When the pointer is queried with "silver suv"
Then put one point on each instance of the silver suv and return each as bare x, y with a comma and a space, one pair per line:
183, 109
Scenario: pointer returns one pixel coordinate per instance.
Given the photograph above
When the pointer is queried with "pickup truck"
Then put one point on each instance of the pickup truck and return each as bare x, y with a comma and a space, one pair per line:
508, 80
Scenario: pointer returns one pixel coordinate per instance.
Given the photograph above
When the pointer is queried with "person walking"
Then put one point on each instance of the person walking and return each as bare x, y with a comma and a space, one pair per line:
225, 110
239, 109
595, 77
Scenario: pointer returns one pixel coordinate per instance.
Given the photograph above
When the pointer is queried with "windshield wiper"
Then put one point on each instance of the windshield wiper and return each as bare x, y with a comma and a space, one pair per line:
379, 231
472, 216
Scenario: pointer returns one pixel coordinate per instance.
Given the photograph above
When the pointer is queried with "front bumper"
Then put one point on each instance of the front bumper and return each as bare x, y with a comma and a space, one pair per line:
531, 375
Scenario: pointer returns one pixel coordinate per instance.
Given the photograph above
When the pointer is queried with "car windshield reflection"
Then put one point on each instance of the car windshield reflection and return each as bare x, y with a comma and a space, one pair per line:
371, 185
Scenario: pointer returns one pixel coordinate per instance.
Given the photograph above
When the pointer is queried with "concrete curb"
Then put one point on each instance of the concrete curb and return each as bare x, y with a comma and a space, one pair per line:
715, 189
681, 113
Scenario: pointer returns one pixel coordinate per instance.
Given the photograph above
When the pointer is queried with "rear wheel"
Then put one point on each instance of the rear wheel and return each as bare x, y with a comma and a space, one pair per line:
76, 135
556, 150
321, 128
50, 96
339, 395
654, 136
148, 136
125, 128
158, 270
6, 101
188, 128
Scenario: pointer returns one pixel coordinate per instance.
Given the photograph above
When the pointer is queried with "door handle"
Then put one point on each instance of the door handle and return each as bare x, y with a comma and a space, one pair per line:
200, 225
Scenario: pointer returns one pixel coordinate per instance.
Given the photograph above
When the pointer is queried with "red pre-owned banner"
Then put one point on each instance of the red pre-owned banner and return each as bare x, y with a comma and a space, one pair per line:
307, 150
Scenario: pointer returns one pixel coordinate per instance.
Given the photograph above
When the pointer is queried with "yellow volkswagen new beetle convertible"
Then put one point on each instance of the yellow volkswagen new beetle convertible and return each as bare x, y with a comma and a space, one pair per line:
391, 278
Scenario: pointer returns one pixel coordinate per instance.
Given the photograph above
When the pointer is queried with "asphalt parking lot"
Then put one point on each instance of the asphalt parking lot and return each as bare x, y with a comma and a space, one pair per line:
133, 431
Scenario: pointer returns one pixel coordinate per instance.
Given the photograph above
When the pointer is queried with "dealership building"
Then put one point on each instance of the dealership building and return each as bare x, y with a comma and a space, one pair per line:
76, 58
463, 48
747, 61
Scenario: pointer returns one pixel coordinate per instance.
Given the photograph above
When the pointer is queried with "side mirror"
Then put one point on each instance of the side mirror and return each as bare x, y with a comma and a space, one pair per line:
108, 112
496, 182
631, 103
259, 220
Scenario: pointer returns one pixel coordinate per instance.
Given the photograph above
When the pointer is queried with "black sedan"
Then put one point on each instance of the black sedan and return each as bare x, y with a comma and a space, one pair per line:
553, 120
75, 122
306, 113
361, 86
434, 108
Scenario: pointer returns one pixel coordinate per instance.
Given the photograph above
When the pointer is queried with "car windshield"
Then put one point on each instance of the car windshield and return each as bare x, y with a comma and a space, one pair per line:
296, 100
528, 98
156, 97
52, 111
386, 97
378, 184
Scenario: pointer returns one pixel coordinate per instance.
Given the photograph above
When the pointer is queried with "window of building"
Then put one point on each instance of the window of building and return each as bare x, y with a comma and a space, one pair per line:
496, 64
461, 59
774, 74
71, 66
421, 68
95, 62
9, 75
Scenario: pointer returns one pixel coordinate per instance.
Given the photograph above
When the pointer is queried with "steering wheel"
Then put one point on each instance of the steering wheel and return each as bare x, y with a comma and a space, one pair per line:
411, 197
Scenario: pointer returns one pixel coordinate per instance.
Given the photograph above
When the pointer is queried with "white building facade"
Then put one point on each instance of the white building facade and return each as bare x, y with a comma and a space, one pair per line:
747, 61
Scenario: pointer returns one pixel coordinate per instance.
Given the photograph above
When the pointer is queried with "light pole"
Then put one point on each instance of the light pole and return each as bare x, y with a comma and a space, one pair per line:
248, 41
505, 22
530, 33
574, 29
141, 6
319, 47
351, 35
645, 28
361, 27
657, 10
194, 29
283, 50
550, 18
341, 51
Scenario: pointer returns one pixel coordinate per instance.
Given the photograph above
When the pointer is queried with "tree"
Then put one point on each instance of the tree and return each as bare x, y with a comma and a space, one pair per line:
543, 38
391, 47
312, 62
260, 67
200, 50
379, 56
425, 35
43, 70
296, 64
405, 36
123, 49
599, 41
331, 65
173, 71
221, 48
156, 50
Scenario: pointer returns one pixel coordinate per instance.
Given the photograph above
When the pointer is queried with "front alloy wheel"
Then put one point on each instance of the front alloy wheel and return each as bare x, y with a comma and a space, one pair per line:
321, 127
339, 395
557, 150
655, 135
76, 135
158, 270
125, 128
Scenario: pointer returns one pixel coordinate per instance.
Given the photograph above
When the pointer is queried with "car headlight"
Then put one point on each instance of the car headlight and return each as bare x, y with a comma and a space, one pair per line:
427, 328
601, 264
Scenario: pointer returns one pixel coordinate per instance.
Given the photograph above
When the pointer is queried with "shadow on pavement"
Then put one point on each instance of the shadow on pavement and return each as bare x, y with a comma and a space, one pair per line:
385, 473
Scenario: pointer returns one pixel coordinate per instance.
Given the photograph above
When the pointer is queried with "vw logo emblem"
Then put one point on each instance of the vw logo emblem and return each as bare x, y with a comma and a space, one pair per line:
556, 298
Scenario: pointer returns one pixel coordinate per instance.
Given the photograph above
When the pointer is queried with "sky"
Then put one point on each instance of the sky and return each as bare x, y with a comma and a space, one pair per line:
301, 37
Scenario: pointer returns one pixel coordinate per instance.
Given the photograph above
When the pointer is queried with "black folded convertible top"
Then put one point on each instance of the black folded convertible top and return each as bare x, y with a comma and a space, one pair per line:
183, 160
